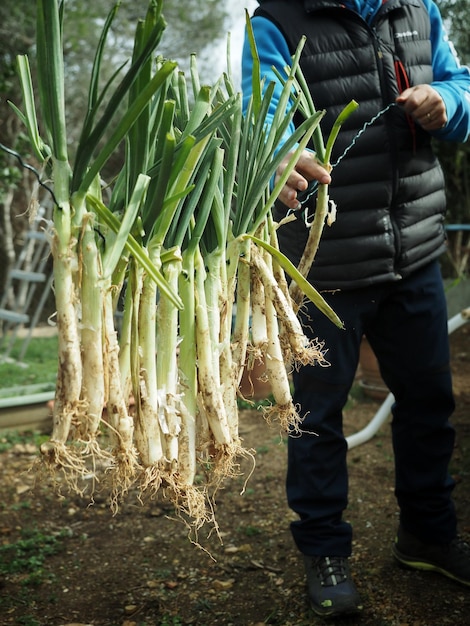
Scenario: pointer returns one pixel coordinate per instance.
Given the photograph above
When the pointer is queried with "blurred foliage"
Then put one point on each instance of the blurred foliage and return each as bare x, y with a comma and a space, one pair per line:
39, 366
455, 157
13, 41
193, 26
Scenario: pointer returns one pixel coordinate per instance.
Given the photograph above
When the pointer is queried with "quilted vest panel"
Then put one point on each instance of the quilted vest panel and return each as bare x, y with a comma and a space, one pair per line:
389, 188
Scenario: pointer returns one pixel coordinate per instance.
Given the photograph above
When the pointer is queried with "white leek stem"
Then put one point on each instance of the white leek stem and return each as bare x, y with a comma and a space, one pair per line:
125, 341
290, 328
69, 373
313, 241
93, 380
242, 318
212, 289
259, 337
210, 392
187, 374
147, 432
117, 407
167, 365
227, 374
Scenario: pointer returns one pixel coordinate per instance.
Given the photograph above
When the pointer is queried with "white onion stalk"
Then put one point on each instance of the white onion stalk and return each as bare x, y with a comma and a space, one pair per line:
210, 393
227, 373
69, 373
212, 291
50, 75
258, 341
121, 425
322, 212
242, 317
167, 368
187, 374
220, 330
276, 370
313, 241
125, 343
148, 434
304, 351
259, 335
280, 279
93, 383
277, 375
189, 498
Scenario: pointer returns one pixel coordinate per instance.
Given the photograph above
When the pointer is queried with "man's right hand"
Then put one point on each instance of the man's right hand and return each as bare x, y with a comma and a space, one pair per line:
306, 170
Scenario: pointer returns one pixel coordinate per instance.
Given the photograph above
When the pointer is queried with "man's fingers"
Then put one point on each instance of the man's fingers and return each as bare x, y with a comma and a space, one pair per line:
425, 105
306, 170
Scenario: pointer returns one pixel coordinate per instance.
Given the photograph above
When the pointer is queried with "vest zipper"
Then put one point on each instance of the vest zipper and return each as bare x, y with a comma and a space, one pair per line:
377, 43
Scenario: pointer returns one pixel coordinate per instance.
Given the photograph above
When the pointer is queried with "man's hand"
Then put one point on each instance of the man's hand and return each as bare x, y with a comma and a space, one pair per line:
306, 170
425, 105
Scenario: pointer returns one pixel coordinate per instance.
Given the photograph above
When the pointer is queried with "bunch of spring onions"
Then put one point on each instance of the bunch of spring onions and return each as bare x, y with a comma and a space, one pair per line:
184, 235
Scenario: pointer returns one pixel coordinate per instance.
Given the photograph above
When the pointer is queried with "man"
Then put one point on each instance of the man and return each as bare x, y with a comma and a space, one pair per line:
377, 266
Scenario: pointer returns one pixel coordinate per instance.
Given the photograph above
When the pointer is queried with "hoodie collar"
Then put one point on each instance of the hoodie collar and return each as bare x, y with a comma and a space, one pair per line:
365, 8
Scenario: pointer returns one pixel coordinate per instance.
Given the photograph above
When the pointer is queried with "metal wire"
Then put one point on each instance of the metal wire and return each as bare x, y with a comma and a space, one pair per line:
305, 196
31, 169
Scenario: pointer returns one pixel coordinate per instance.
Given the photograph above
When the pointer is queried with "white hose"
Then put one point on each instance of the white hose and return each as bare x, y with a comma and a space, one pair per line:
384, 411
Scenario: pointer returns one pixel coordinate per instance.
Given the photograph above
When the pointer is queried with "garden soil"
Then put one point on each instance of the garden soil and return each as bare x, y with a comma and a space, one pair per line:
140, 568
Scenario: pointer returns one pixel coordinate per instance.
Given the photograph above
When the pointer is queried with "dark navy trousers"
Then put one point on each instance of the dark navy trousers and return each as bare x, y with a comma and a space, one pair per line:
406, 324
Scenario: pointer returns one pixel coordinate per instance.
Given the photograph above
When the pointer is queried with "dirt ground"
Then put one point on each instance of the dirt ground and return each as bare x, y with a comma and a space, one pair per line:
138, 568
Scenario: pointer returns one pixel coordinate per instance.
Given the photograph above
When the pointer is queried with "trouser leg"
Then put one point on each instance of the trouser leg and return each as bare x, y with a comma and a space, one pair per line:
409, 336
317, 479
406, 323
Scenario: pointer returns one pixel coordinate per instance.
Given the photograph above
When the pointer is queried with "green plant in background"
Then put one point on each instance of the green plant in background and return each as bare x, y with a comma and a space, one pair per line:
26, 557
250, 530
39, 368
171, 620
455, 158
12, 438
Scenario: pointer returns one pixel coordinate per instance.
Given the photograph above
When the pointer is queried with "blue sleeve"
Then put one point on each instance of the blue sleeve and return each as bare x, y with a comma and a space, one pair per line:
451, 80
273, 52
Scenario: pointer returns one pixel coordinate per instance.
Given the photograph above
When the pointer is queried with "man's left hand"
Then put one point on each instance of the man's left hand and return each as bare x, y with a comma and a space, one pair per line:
425, 105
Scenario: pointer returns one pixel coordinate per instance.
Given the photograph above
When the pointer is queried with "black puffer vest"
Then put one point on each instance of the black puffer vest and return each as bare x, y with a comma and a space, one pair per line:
389, 188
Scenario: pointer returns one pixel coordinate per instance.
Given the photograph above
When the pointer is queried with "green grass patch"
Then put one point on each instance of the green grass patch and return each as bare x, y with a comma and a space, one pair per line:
25, 558
38, 367
247, 404
250, 530
11, 438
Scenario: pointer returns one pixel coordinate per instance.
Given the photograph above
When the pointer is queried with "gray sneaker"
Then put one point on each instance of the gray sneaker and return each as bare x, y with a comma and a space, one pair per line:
450, 559
330, 587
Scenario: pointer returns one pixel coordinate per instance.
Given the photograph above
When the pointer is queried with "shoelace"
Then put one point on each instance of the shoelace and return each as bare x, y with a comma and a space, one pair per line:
331, 570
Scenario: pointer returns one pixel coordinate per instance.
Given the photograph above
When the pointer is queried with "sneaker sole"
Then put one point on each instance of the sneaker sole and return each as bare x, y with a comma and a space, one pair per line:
326, 611
425, 566
321, 612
